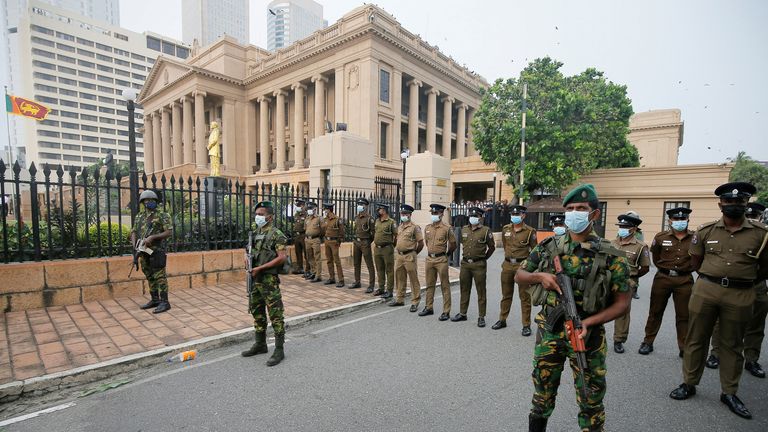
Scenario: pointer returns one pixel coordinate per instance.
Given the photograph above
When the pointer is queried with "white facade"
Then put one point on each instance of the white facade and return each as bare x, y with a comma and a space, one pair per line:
78, 67
291, 20
208, 20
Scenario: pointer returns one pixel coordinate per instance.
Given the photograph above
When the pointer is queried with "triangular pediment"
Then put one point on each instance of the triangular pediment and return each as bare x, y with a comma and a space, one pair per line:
164, 73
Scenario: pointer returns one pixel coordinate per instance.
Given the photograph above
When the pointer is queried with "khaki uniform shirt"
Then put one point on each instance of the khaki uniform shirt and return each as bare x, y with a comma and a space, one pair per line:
385, 231
439, 236
670, 253
637, 254
731, 254
409, 235
333, 227
518, 244
364, 226
298, 221
314, 226
475, 241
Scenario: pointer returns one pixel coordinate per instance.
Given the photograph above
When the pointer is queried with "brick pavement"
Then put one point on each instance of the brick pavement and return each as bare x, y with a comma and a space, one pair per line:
43, 341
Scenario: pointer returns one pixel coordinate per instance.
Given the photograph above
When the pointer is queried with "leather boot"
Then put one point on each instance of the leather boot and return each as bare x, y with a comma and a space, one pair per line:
278, 355
536, 423
260, 347
164, 305
152, 303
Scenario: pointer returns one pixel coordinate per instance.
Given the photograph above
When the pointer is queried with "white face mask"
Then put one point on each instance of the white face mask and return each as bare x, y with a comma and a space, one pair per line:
474, 220
260, 220
311, 212
360, 209
435, 218
559, 230
404, 218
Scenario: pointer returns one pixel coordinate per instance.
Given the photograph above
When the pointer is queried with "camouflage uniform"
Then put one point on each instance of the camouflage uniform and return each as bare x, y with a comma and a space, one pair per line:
265, 288
552, 349
151, 222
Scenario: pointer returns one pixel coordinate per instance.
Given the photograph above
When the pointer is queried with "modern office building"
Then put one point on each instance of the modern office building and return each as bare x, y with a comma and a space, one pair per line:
78, 67
291, 20
208, 20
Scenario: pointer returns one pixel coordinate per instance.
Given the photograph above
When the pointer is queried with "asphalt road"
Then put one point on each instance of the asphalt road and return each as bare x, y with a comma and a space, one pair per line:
386, 369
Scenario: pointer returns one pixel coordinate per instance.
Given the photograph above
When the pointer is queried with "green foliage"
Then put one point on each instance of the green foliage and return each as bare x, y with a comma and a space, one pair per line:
120, 237
748, 170
573, 125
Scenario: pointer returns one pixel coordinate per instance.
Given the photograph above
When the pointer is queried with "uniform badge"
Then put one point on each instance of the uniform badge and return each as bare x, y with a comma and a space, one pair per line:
695, 239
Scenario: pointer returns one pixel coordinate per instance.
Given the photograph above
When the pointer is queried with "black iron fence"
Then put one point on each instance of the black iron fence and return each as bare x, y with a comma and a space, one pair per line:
495, 215
56, 214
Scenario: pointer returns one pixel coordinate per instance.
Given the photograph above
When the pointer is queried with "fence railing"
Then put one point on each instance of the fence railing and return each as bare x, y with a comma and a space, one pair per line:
56, 214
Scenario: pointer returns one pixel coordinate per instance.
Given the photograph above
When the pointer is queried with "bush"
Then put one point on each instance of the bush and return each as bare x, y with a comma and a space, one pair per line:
120, 236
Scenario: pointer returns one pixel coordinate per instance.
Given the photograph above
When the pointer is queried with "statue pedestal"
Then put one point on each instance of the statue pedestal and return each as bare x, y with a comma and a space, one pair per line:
212, 198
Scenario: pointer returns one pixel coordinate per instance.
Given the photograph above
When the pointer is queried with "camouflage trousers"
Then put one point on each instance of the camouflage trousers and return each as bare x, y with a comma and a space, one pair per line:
550, 354
265, 297
156, 278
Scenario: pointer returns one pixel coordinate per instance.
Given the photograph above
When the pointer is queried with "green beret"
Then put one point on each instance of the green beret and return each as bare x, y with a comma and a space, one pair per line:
581, 193
265, 204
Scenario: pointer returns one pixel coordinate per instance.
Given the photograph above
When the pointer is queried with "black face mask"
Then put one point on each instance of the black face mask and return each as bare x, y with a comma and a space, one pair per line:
734, 211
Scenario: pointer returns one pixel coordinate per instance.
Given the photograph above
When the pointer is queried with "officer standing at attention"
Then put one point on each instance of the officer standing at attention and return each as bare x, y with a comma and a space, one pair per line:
674, 277
599, 277
730, 256
639, 260
410, 242
333, 228
299, 216
441, 242
269, 253
364, 233
753, 337
518, 240
314, 240
477, 246
385, 235
153, 226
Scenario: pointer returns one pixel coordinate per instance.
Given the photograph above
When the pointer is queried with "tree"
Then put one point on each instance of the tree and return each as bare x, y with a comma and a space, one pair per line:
574, 125
746, 169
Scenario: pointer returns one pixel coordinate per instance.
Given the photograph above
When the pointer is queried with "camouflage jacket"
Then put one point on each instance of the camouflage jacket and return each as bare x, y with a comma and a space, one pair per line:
267, 242
151, 222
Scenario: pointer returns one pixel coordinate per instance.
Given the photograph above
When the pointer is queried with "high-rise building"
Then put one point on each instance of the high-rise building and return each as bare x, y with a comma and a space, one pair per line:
208, 20
291, 20
78, 67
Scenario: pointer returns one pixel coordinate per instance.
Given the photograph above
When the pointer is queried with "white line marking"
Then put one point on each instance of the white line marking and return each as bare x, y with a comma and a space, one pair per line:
346, 323
36, 413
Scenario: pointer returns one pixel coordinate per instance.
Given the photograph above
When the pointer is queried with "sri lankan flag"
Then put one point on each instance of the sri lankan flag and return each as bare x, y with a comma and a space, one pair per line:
25, 107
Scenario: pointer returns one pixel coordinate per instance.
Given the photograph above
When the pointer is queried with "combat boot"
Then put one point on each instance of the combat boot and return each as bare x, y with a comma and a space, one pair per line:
260, 347
163, 306
536, 423
278, 355
152, 303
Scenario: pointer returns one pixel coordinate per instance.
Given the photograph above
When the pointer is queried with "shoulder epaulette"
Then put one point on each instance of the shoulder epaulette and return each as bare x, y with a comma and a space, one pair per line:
707, 225
759, 224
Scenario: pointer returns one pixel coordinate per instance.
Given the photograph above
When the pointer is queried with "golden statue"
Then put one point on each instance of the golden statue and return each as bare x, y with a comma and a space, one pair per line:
213, 149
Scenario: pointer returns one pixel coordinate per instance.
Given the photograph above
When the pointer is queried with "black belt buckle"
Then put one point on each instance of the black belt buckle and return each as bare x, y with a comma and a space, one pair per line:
725, 282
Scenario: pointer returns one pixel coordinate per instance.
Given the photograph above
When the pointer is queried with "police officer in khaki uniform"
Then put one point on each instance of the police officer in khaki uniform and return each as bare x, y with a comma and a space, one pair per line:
639, 260
730, 256
385, 235
410, 241
753, 337
477, 246
441, 242
333, 229
557, 222
299, 216
361, 247
669, 251
518, 240
314, 240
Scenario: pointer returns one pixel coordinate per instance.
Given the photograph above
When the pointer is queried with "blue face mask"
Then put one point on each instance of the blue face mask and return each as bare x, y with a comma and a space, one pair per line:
360, 209
516, 219
260, 220
559, 230
404, 218
624, 232
474, 220
435, 218
151, 205
577, 221
679, 225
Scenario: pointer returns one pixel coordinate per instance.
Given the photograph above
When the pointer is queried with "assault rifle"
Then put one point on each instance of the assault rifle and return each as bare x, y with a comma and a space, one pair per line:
566, 310
138, 248
249, 263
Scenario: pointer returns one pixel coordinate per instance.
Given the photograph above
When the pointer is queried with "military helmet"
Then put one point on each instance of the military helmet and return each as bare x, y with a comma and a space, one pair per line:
148, 194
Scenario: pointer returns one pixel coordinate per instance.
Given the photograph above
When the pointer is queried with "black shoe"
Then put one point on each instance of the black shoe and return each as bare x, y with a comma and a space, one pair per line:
712, 362
387, 295
354, 285
308, 275
153, 302
645, 348
682, 392
299, 271
736, 405
755, 369
394, 303
330, 282
526, 331
618, 347
316, 280
379, 292
499, 325
681, 354
414, 308
426, 312
369, 290
444, 316
536, 423
635, 296
164, 305
481, 322
459, 317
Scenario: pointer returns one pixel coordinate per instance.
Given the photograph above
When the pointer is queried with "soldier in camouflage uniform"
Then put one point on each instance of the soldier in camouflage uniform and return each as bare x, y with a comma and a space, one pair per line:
269, 253
153, 226
606, 298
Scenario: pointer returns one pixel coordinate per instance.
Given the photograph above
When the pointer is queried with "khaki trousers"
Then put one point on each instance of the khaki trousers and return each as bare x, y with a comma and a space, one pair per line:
434, 268
405, 268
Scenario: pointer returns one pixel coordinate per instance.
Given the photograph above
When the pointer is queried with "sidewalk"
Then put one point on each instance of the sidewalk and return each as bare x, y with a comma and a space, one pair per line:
39, 342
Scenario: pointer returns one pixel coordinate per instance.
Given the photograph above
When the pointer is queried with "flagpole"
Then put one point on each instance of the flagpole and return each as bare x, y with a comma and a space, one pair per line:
8, 128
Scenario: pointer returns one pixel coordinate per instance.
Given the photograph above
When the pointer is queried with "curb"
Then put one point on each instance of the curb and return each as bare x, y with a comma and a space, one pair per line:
42, 385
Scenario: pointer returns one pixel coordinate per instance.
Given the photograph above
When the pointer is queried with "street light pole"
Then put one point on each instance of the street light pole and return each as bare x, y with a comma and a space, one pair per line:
522, 143
404, 156
129, 95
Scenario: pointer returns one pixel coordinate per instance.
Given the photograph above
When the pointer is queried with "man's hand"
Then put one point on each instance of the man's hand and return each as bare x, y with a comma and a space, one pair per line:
256, 270
148, 241
549, 282
585, 325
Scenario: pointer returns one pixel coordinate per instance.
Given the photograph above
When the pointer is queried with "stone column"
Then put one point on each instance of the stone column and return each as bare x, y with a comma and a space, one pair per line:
447, 112
461, 127
228, 136
264, 133
298, 125
165, 134
470, 143
251, 145
201, 144
186, 103
338, 96
413, 116
149, 147
176, 134
157, 155
279, 130
397, 109
320, 82
432, 95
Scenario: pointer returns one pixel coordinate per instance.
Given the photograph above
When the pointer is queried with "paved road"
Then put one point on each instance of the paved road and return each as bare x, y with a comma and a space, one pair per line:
386, 369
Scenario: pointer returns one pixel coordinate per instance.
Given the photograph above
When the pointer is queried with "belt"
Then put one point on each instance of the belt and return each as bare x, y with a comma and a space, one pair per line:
729, 283
334, 238
362, 239
514, 260
473, 260
300, 232
673, 273
437, 255
383, 246
406, 252
313, 237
